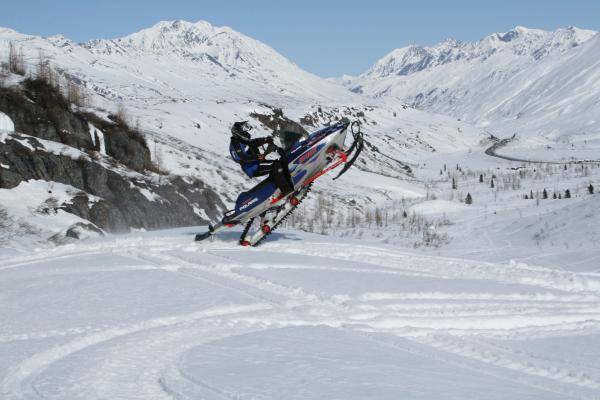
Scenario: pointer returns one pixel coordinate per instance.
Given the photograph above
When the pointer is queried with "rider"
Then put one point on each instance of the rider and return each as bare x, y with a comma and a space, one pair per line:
246, 152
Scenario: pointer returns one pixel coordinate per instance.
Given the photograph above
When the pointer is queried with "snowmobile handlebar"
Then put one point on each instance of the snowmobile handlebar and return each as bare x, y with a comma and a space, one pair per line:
355, 127
355, 148
271, 147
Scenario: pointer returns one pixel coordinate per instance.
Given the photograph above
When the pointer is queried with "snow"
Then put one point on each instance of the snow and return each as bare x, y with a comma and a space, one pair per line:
306, 316
97, 132
33, 214
496, 299
433, 207
6, 124
151, 196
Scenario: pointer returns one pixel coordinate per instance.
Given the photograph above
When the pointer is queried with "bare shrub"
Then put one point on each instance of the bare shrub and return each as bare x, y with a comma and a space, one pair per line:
158, 161
4, 71
431, 238
122, 116
4, 223
46, 74
16, 60
76, 94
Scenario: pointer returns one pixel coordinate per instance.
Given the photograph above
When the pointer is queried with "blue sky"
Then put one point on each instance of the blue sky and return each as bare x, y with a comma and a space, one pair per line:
328, 38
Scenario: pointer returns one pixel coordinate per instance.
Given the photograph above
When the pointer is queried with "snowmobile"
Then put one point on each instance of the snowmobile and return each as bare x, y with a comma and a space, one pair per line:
308, 159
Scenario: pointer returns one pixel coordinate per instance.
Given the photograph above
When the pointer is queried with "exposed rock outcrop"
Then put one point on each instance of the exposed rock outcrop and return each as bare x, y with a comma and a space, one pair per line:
119, 191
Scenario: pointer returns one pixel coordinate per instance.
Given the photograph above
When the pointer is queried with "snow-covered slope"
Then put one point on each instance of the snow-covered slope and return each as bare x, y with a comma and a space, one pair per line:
149, 316
6, 123
525, 80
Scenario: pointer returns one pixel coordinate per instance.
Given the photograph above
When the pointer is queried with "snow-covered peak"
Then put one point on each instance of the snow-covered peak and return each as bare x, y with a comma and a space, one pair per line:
520, 41
413, 58
170, 36
60, 41
535, 43
199, 41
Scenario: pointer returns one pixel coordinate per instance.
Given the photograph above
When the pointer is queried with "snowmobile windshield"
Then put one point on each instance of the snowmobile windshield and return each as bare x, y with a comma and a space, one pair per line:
289, 139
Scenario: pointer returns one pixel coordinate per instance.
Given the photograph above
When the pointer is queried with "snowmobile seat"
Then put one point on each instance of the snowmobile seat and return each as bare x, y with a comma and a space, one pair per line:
255, 196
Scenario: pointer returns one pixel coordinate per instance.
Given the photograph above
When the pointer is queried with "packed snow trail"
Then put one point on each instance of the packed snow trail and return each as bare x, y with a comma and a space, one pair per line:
155, 316
492, 151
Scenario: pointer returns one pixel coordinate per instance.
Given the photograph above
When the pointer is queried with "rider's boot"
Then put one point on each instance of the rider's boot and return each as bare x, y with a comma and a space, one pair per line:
281, 178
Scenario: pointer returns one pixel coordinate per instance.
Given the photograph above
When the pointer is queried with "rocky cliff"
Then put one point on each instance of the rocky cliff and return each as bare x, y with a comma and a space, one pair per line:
108, 163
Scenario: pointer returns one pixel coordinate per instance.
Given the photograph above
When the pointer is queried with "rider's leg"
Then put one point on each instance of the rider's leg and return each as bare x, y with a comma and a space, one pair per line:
281, 176
264, 168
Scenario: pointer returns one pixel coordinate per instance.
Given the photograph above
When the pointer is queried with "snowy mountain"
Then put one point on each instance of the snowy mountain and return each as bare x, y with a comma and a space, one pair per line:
512, 81
520, 41
217, 52
183, 84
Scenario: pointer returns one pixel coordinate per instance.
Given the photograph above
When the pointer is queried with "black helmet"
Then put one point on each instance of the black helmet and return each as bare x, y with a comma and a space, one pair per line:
241, 129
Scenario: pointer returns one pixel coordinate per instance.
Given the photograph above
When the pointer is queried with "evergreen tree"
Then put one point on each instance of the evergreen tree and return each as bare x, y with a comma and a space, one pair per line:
554, 196
481, 178
526, 197
567, 194
544, 194
590, 189
531, 194
560, 195
492, 183
444, 167
404, 214
454, 183
469, 199
565, 167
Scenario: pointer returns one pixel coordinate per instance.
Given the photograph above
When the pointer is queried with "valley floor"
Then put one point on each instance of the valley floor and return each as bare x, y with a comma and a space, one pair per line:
157, 316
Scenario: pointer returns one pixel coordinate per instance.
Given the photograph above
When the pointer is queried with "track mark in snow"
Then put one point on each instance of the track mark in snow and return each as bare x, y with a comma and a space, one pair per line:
449, 268
45, 335
183, 386
14, 382
474, 365
296, 306
15, 262
489, 354
551, 302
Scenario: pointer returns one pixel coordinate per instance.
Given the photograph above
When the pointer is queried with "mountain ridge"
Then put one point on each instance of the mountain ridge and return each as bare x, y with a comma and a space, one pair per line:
515, 81
536, 43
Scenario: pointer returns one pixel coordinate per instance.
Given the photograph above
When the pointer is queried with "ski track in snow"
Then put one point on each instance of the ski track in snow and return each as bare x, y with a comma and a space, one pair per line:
455, 326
